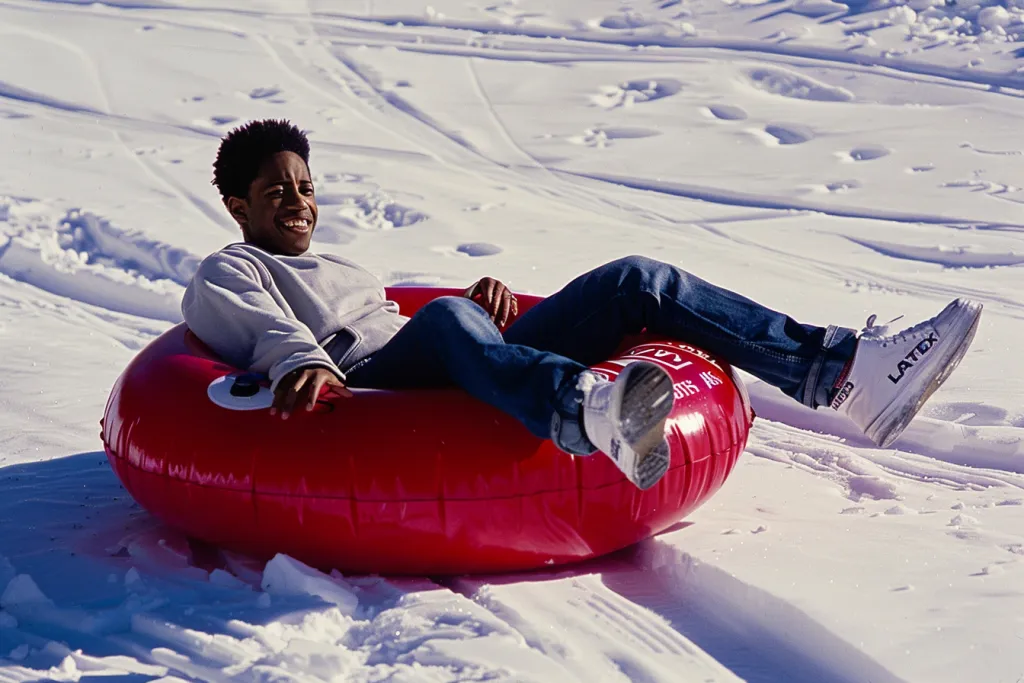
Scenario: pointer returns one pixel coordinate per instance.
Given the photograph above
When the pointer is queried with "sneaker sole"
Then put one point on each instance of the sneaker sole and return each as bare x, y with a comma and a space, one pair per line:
890, 425
646, 404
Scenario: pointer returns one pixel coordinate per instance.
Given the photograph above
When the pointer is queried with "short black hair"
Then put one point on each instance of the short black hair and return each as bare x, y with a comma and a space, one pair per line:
243, 151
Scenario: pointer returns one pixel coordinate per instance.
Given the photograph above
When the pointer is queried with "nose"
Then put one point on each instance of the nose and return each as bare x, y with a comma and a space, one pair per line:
293, 198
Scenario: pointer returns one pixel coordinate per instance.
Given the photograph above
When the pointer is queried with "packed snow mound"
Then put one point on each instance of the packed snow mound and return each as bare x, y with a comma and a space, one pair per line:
936, 21
960, 23
84, 257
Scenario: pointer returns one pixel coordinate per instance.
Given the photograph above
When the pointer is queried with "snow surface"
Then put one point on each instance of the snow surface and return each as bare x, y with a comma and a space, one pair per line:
830, 159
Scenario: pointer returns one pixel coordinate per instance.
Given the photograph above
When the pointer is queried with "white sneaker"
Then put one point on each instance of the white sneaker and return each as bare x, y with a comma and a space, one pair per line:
625, 419
892, 375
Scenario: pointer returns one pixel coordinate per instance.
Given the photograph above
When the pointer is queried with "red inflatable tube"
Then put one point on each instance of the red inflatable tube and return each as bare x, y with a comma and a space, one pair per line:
401, 482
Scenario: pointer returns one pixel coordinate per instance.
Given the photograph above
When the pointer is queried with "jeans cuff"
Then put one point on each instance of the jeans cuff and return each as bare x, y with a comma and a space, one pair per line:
567, 421
568, 435
837, 348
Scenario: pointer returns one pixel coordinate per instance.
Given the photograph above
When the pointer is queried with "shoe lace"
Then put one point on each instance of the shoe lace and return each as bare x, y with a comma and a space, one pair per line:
881, 332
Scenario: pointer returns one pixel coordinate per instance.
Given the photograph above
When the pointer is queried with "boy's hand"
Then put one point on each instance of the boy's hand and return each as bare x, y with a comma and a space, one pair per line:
302, 387
495, 298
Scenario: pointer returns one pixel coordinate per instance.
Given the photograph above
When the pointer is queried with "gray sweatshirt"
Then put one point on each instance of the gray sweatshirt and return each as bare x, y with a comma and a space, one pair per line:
273, 314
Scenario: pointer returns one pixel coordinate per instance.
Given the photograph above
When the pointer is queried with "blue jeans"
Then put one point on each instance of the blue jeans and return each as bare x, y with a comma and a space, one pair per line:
531, 372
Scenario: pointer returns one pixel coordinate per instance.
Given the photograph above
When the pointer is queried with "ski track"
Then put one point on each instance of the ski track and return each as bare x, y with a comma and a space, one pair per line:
733, 198
772, 79
454, 151
856, 276
1008, 84
821, 54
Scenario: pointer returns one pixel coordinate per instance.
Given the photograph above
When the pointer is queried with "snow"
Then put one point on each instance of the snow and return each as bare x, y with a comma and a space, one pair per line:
830, 159
286, 576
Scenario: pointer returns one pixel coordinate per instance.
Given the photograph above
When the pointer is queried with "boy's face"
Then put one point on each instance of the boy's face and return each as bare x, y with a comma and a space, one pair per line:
279, 214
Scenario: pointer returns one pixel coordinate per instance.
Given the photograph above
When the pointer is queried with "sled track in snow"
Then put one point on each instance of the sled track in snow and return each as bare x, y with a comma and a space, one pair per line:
655, 599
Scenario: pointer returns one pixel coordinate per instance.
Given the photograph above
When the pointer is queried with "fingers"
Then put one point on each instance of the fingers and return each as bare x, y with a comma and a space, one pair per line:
506, 307
487, 286
498, 302
342, 390
287, 392
315, 385
279, 394
335, 386
302, 388
496, 299
292, 394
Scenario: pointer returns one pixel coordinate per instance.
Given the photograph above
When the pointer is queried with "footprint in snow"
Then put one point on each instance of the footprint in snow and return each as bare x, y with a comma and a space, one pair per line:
264, 93
843, 186
727, 112
640, 90
789, 134
602, 137
868, 153
627, 20
268, 94
478, 249
796, 86
372, 211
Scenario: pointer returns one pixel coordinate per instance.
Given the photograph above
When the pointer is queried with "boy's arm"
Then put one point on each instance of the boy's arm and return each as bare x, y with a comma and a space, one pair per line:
227, 307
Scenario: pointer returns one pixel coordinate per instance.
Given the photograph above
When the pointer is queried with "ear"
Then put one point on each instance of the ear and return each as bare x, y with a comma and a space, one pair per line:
239, 210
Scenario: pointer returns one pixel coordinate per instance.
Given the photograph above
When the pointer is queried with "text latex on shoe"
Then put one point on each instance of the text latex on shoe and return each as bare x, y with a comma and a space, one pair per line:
625, 419
892, 375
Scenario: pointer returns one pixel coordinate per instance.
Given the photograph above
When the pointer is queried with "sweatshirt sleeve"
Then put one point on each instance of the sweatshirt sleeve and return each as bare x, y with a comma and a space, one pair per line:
227, 306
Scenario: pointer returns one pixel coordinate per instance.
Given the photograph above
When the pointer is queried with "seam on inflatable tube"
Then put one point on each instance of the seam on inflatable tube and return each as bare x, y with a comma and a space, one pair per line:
719, 454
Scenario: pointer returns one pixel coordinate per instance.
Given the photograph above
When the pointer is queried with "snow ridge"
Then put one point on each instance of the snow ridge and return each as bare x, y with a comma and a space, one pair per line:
84, 257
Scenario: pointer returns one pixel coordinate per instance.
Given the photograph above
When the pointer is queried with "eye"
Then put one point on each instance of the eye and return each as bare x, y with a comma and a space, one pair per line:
307, 189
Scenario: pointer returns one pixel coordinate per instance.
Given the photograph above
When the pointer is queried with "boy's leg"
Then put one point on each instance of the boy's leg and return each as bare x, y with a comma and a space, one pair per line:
588, 319
451, 340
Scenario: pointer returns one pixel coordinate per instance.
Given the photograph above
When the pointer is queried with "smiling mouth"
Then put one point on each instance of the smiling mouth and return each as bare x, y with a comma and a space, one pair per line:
300, 226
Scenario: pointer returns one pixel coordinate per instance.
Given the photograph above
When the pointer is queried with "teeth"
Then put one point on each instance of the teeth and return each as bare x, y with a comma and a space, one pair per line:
296, 223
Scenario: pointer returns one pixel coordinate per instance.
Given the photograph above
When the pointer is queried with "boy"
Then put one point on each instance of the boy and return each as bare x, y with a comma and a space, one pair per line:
313, 321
